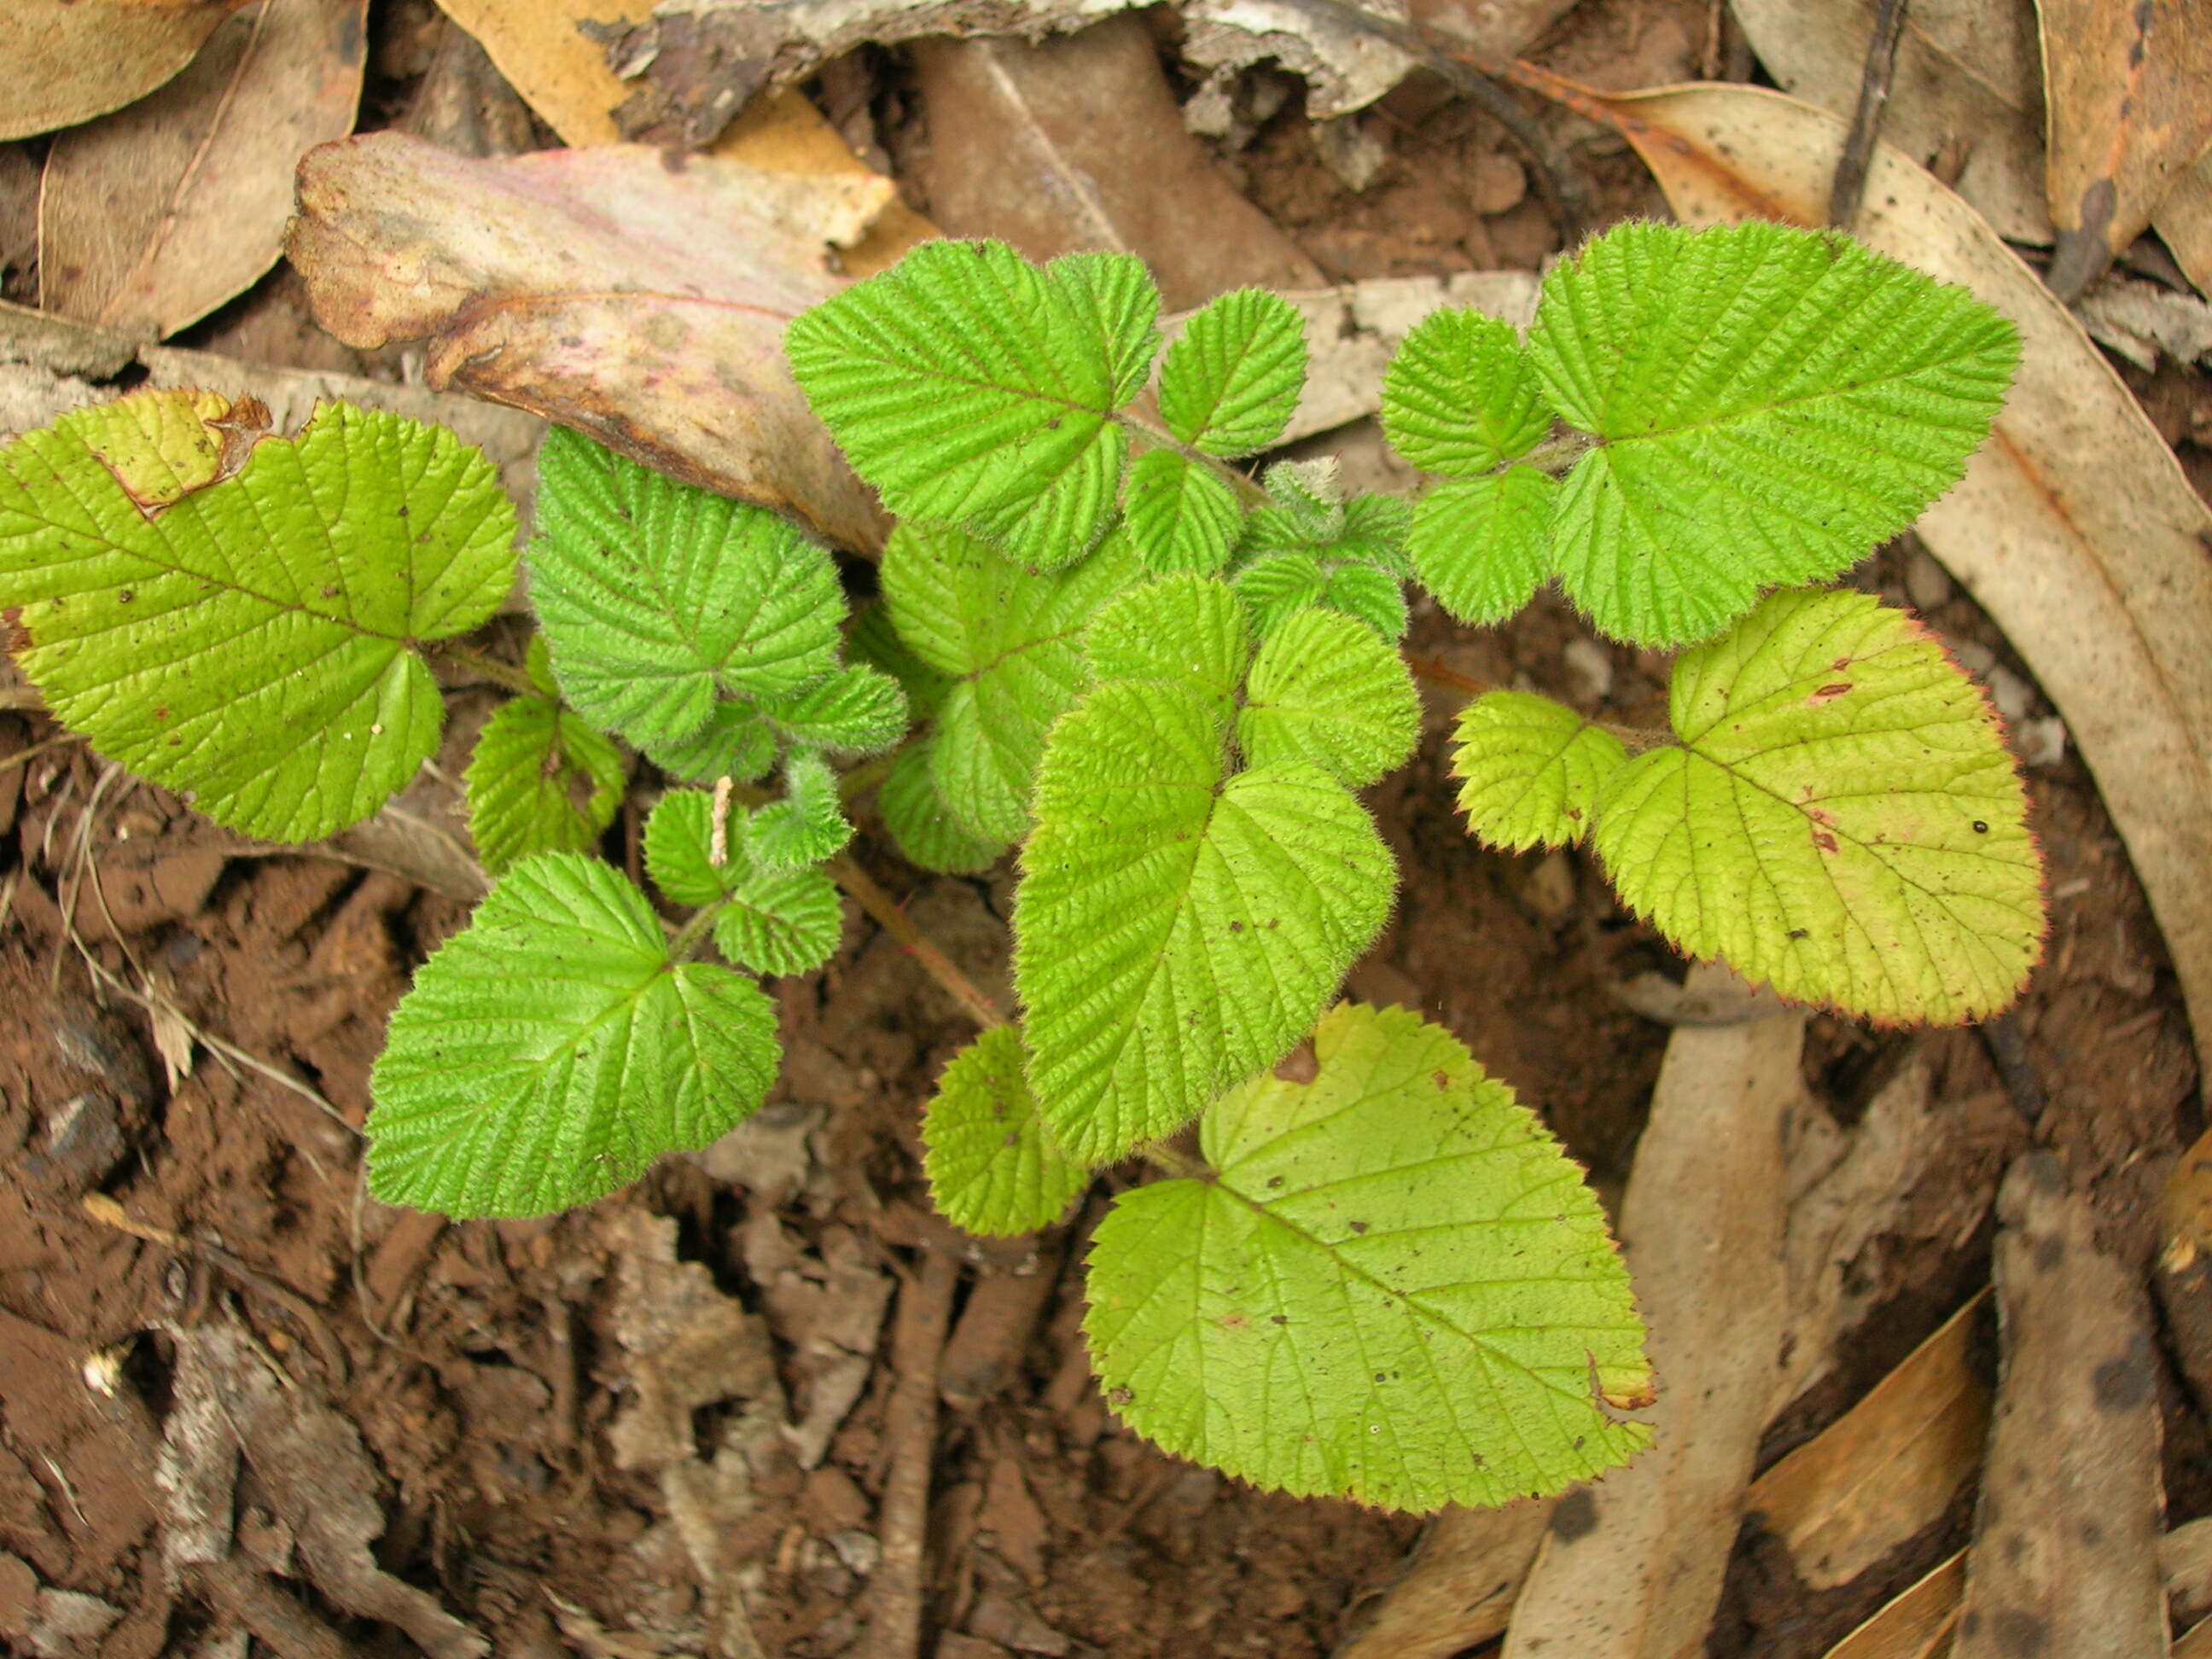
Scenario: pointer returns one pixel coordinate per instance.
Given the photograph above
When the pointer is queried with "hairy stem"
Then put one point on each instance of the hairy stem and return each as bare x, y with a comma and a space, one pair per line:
1247, 491
894, 921
485, 665
692, 934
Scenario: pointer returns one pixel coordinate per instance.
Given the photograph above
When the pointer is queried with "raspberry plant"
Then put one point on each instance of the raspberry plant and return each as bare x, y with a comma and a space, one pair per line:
1102, 641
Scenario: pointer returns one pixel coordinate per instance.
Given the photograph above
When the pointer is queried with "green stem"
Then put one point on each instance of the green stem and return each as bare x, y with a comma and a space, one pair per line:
692, 934
487, 666
1163, 1156
1247, 491
864, 776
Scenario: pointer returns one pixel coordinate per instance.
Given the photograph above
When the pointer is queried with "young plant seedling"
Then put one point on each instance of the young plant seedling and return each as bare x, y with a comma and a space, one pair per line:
1164, 681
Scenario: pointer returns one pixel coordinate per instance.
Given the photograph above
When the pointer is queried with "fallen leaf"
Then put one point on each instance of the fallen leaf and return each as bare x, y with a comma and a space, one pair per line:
1633, 1564
2184, 1562
154, 215
1916, 1623
2065, 1552
2185, 1208
1968, 74
2197, 1645
1458, 1587
66, 61
2074, 527
2129, 84
1888, 1468
2143, 321
1076, 144
2184, 223
604, 288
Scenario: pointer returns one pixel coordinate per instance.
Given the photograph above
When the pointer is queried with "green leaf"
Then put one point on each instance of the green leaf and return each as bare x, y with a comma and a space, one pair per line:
734, 743
1308, 505
1459, 398
1396, 1288
1483, 545
1369, 529
249, 640
859, 710
1842, 821
1011, 641
1532, 769
1324, 689
1180, 516
925, 828
970, 387
1185, 634
993, 1167
550, 1050
874, 639
807, 826
774, 921
1770, 402
1233, 377
658, 598
1174, 933
1278, 586
540, 781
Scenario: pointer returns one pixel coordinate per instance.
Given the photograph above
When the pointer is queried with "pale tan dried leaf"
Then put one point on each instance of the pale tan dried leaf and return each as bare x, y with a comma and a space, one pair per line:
173, 1040
2073, 527
1459, 1585
603, 288
2184, 1562
2065, 1552
2129, 86
2185, 1207
1631, 1567
66, 61
1916, 1623
2184, 223
2197, 1645
1888, 1468
154, 215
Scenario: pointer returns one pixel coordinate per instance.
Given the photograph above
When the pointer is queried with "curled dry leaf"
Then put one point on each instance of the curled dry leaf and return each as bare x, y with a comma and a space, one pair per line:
2130, 88
152, 217
2074, 527
66, 61
604, 288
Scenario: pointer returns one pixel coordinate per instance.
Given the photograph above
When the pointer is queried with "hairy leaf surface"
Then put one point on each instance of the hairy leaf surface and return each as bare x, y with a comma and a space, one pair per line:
1842, 820
1180, 516
1482, 546
1531, 770
540, 781
550, 1050
1324, 689
858, 710
993, 1169
774, 921
1460, 397
1396, 1288
1184, 633
922, 824
250, 640
1233, 376
807, 825
1278, 586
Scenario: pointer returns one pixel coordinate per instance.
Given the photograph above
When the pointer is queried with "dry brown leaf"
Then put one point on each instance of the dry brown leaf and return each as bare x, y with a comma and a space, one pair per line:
642, 303
2197, 1645
154, 216
2129, 86
1459, 1585
1917, 1624
1886, 1468
2184, 223
2073, 527
1631, 1567
2184, 1562
2065, 1552
1968, 75
66, 61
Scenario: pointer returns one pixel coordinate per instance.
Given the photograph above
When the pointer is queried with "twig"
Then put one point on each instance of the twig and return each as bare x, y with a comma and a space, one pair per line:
1437, 673
925, 1309
885, 910
38, 749
272, 1616
1843, 196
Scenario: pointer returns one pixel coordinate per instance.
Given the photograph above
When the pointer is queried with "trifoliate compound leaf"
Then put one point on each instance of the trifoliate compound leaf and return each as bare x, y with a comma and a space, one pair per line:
874, 639
551, 1050
1482, 546
807, 825
249, 640
1531, 770
858, 710
658, 598
993, 1169
970, 387
1307, 502
734, 743
1013, 643
1180, 516
1396, 1288
925, 828
1117, 297
1324, 689
1175, 934
1367, 529
1184, 633
1278, 586
1771, 404
772, 921
1233, 377
540, 781
1459, 398
1842, 820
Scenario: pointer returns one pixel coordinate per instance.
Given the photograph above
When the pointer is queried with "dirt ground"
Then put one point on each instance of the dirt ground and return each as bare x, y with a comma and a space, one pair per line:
498, 1384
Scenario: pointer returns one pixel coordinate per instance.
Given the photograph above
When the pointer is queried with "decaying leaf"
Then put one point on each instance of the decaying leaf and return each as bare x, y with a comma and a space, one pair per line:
154, 215
643, 304
66, 61
1632, 1565
2130, 102
2073, 527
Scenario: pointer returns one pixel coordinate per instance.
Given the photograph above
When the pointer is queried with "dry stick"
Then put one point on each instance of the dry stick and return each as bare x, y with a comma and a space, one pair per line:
1866, 121
885, 909
925, 1309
